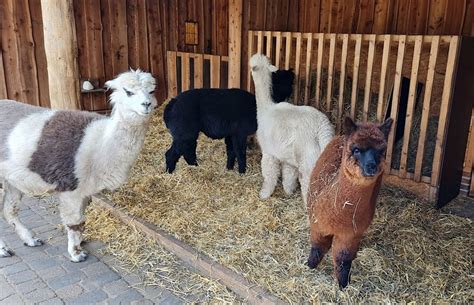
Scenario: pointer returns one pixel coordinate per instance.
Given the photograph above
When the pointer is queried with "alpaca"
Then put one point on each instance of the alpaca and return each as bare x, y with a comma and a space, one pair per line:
291, 137
344, 187
73, 154
218, 113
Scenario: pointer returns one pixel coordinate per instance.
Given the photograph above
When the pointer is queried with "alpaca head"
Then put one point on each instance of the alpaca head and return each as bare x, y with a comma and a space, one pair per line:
262, 68
282, 85
133, 93
364, 148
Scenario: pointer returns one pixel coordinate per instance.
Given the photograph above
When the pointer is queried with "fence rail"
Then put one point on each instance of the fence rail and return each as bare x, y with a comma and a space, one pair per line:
372, 77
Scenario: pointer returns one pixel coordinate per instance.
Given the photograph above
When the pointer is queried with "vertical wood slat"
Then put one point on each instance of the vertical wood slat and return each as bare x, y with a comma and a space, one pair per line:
40, 55
318, 71
260, 42
157, 65
250, 53
215, 71
396, 97
445, 107
297, 68
268, 46
355, 74
426, 108
411, 105
383, 76
288, 50
309, 48
26, 52
368, 78
342, 79
3, 86
185, 72
332, 50
278, 50
198, 71
235, 43
172, 80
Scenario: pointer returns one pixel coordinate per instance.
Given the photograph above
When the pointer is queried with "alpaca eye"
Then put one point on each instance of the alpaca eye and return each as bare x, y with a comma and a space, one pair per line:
356, 151
152, 91
129, 93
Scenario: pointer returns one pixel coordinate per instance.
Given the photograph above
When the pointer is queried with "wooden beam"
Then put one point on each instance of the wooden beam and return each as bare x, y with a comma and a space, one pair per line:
61, 53
235, 42
249, 292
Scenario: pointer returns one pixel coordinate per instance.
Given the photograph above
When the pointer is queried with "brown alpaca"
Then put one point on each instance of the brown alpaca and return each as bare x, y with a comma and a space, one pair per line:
344, 186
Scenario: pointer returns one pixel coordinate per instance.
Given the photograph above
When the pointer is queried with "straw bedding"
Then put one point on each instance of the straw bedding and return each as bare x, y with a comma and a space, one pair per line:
410, 253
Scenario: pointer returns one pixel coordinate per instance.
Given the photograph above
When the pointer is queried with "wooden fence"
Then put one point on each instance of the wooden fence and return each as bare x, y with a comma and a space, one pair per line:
194, 70
372, 77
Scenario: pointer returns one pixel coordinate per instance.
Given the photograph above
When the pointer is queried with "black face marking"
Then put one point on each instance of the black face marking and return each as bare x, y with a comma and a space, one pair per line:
129, 93
54, 158
368, 160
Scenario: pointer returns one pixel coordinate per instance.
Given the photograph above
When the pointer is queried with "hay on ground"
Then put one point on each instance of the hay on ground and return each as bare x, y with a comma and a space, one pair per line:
410, 253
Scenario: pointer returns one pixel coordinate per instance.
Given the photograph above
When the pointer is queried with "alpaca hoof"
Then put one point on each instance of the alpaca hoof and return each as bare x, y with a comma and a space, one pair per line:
289, 191
343, 283
79, 256
34, 242
6, 252
265, 194
314, 258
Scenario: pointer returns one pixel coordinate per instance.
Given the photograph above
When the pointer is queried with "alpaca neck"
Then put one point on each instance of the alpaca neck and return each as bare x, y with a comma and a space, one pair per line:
263, 87
124, 136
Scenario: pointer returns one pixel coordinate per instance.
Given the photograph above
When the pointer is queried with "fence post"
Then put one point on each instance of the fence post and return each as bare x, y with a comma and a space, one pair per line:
235, 42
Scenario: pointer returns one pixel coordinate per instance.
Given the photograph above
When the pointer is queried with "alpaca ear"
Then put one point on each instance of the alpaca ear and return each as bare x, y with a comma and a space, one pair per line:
110, 84
349, 126
386, 127
272, 68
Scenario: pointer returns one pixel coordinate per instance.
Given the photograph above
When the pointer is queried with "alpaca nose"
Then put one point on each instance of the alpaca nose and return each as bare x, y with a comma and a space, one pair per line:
370, 169
146, 105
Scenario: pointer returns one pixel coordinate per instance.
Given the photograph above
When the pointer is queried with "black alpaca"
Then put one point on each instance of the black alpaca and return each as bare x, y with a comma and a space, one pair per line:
218, 113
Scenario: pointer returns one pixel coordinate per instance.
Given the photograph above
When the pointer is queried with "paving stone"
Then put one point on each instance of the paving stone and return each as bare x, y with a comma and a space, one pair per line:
52, 272
70, 291
127, 297
15, 268
21, 277
40, 295
104, 278
5, 289
142, 302
44, 263
7, 261
13, 300
54, 301
90, 297
31, 285
171, 299
71, 266
55, 250
65, 280
116, 287
95, 269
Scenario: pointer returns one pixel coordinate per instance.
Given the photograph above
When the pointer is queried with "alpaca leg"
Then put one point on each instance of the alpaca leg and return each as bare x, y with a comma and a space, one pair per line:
270, 172
11, 198
304, 183
240, 149
290, 177
189, 152
72, 213
230, 152
172, 157
344, 252
4, 250
319, 247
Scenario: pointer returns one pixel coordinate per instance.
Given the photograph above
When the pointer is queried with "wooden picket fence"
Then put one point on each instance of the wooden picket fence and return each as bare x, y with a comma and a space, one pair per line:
188, 70
369, 71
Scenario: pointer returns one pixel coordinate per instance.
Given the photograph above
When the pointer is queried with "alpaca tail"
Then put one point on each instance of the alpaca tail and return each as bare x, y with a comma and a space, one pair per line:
167, 113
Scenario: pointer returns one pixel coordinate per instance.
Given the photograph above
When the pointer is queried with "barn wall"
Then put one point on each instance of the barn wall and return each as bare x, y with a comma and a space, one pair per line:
116, 34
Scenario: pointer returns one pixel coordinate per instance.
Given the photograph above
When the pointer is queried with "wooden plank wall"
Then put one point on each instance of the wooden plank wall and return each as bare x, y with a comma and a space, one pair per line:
412, 17
23, 74
116, 34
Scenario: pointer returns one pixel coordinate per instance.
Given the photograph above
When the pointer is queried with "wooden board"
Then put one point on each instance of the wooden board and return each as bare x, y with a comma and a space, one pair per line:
355, 74
368, 78
202, 263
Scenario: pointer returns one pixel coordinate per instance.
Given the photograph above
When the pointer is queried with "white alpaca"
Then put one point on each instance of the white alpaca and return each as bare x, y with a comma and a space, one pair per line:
73, 154
291, 137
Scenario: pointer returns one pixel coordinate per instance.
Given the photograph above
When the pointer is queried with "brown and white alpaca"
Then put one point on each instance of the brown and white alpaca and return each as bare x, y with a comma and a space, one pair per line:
343, 191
